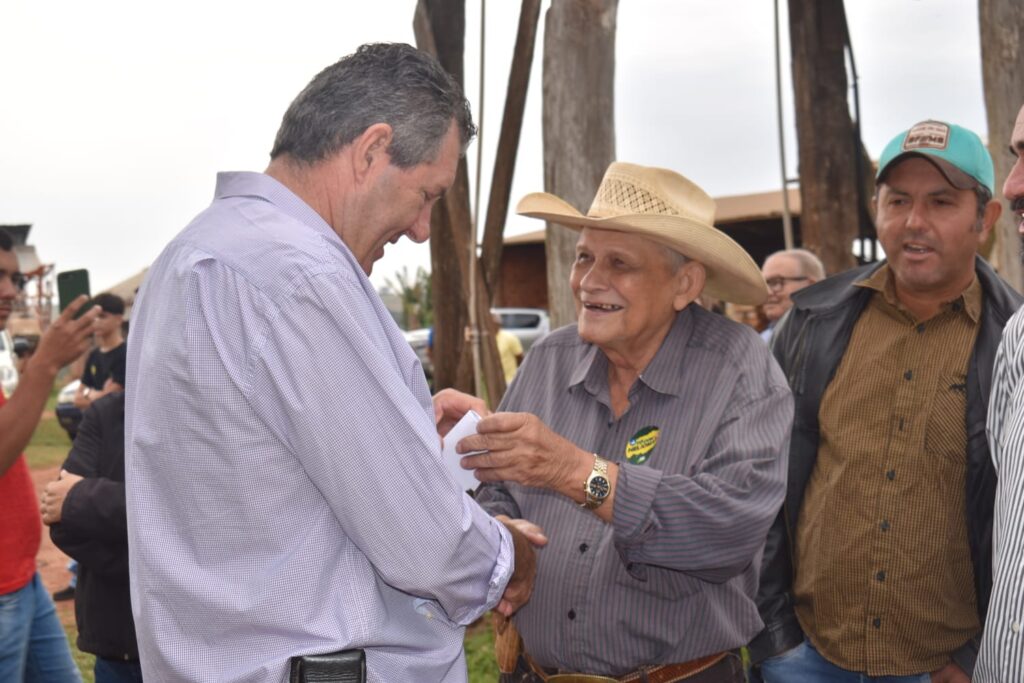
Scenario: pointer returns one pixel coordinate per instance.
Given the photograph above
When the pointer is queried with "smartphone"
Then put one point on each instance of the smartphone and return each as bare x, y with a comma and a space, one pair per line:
70, 285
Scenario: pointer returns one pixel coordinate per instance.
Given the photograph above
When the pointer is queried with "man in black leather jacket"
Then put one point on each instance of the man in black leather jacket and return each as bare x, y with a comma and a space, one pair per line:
811, 345
85, 509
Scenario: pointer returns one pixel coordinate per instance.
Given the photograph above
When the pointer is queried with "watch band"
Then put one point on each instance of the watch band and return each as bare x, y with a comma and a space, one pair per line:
596, 486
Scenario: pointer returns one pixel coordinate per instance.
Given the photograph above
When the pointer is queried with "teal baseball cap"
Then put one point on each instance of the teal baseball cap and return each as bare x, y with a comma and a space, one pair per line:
958, 153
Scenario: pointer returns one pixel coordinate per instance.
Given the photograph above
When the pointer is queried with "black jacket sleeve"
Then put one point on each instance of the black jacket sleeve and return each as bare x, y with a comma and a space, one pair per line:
93, 527
774, 597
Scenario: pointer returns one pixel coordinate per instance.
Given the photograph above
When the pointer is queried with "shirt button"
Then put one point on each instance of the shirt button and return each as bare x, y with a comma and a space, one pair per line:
908, 374
876, 622
1015, 627
572, 614
920, 328
583, 547
890, 475
880, 576
884, 525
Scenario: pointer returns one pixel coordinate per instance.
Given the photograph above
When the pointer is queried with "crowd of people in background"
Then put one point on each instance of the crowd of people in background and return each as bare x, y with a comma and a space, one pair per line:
829, 491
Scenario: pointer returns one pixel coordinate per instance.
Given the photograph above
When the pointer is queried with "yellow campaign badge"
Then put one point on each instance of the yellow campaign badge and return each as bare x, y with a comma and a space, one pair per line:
641, 445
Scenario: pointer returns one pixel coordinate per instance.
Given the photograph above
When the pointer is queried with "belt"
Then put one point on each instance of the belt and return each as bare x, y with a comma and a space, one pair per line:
665, 673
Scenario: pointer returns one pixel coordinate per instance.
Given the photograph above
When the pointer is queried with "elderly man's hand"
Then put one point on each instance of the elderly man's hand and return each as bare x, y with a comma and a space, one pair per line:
521, 448
451, 405
54, 495
525, 537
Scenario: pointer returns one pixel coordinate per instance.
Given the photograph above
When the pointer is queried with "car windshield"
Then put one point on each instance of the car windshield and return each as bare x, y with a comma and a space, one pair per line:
516, 320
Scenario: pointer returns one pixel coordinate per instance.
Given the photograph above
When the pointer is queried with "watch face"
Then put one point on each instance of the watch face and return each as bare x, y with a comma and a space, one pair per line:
599, 487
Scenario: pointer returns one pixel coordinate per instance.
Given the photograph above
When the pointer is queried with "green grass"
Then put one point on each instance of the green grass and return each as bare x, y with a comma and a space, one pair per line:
49, 445
84, 660
480, 652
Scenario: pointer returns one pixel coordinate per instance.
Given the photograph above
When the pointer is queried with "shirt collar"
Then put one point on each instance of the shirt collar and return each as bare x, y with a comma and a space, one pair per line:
265, 188
969, 301
661, 374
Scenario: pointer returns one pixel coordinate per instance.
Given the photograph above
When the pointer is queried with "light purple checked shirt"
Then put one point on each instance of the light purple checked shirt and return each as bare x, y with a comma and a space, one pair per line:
285, 489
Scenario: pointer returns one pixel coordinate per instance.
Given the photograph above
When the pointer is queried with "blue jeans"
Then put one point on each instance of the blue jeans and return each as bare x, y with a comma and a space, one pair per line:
33, 647
803, 664
115, 671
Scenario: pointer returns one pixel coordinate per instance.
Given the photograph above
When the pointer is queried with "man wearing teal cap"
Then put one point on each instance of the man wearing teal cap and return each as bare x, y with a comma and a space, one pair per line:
879, 568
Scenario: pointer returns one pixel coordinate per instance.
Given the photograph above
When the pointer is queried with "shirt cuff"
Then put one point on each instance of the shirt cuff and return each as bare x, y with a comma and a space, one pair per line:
504, 565
633, 517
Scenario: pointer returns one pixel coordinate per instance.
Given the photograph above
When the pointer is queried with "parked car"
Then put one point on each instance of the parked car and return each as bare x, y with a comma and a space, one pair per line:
418, 340
67, 414
528, 324
8, 364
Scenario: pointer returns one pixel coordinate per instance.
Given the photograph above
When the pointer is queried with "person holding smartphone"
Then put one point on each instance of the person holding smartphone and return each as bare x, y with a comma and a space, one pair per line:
30, 633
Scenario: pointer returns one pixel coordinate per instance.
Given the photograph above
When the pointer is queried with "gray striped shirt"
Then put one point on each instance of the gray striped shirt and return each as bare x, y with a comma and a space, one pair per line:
1002, 648
674, 576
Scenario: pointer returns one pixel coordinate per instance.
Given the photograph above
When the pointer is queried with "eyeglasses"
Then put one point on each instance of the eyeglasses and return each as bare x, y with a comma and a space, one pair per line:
779, 282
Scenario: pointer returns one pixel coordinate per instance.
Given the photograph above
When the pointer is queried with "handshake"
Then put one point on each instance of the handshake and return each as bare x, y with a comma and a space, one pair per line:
491, 449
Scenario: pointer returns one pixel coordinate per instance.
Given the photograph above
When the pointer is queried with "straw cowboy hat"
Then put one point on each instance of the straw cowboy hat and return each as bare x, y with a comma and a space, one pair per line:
663, 206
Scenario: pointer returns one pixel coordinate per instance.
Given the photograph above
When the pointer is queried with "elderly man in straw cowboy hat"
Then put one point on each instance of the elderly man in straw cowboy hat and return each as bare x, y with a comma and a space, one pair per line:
643, 447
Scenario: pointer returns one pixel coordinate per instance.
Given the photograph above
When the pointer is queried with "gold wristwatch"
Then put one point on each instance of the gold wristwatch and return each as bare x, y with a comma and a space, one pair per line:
597, 486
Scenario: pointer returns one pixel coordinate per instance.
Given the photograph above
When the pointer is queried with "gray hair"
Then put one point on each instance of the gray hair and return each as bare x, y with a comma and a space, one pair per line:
390, 83
674, 259
810, 265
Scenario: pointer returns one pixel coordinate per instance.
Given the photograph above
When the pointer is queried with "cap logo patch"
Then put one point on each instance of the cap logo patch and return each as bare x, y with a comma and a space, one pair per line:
927, 135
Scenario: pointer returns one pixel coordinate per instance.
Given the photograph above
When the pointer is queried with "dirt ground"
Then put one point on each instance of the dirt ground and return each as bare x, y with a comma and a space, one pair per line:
52, 563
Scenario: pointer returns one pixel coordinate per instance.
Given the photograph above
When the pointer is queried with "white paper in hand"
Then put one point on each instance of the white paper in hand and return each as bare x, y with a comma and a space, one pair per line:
465, 427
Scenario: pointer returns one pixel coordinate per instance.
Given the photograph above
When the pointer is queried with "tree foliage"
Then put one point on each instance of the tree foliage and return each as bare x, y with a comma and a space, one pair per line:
415, 295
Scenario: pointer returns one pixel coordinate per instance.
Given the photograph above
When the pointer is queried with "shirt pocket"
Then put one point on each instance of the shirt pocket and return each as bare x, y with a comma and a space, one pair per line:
946, 430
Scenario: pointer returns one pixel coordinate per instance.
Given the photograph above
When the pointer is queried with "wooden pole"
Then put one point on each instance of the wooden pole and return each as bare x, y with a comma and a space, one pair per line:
1002, 72
579, 125
830, 211
508, 143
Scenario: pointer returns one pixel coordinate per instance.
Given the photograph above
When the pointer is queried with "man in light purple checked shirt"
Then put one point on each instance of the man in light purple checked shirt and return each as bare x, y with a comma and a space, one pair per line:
285, 490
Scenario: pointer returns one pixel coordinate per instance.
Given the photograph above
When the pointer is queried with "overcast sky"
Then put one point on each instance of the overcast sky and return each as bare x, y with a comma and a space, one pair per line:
116, 115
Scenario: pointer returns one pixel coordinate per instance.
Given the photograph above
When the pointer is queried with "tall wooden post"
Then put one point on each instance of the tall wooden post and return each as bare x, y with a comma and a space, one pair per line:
440, 28
830, 204
508, 143
579, 124
1002, 72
